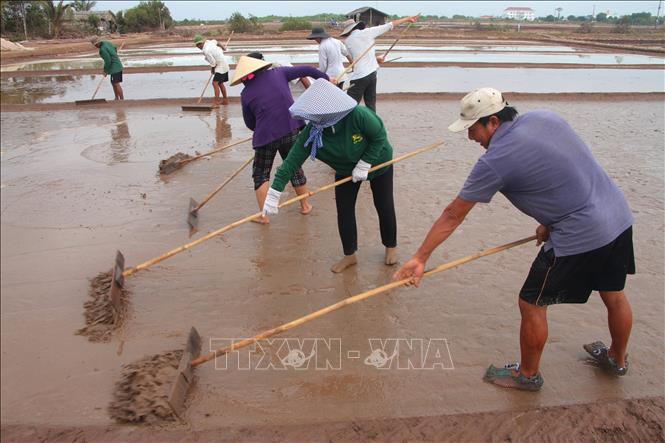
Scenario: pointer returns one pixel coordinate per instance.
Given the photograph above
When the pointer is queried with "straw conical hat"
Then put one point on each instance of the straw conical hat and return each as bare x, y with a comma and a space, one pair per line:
247, 65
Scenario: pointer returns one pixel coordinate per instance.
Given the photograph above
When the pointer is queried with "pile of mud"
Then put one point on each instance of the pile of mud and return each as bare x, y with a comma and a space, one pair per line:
141, 395
173, 163
102, 319
6, 45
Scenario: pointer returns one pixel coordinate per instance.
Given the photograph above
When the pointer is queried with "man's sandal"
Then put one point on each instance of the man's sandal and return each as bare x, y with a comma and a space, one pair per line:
600, 354
510, 377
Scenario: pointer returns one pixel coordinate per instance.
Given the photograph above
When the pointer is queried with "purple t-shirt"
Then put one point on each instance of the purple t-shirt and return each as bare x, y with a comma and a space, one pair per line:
545, 169
266, 101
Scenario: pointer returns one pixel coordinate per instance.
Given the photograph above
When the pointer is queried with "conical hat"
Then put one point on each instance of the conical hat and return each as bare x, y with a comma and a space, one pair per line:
247, 65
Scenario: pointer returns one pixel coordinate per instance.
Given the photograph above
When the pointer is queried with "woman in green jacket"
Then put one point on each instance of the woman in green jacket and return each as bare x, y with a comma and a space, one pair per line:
350, 139
112, 65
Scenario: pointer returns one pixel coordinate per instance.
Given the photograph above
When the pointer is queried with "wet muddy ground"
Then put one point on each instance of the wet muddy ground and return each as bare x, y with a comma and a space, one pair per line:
69, 88
79, 184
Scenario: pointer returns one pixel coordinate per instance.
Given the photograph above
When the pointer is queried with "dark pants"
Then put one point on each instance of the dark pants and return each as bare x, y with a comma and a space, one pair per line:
264, 156
382, 192
364, 88
116, 78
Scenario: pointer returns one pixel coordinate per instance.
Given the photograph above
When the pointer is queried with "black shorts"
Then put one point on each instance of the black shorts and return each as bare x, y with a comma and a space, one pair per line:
571, 279
116, 78
220, 78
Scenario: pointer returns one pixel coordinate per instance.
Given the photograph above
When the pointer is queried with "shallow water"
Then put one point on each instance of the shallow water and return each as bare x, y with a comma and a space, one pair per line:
188, 56
77, 185
58, 89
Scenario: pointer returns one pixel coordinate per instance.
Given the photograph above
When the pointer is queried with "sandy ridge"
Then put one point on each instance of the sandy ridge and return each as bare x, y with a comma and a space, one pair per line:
609, 420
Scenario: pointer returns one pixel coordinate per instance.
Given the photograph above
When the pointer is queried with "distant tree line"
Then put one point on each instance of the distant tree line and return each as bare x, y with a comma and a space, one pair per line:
636, 18
23, 19
639, 18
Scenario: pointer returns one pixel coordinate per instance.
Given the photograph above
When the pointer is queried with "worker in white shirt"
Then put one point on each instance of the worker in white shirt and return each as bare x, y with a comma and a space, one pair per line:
214, 54
363, 77
332, 53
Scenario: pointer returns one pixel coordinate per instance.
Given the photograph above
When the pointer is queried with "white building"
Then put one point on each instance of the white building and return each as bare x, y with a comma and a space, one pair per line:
519, 14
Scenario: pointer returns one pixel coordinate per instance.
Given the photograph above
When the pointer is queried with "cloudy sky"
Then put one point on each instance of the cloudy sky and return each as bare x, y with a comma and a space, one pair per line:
219, 10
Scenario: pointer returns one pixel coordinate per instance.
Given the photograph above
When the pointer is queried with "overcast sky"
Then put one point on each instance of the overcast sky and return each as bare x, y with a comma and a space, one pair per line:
220, 10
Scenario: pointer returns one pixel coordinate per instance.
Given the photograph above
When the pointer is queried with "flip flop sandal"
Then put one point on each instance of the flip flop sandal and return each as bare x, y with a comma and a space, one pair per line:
599, 352
504, 377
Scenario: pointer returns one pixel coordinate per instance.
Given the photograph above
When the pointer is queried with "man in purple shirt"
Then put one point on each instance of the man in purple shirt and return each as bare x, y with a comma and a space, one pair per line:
544, 168
266, 99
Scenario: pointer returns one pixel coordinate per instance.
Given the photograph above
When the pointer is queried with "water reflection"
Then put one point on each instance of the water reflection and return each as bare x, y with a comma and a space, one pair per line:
223, 131
30, 90
120, 138
307, 54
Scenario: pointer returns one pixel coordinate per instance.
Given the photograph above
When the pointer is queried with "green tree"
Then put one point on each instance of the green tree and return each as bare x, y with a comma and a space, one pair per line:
120, 22
83, 5
295, 24
238, 23
148, 15
55, 13
641, 18
93, 21
549, 18
622, 25
23, 18
601, 17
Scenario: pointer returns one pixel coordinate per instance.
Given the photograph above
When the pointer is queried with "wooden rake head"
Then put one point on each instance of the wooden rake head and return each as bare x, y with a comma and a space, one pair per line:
117, 280
193, 214
185, 376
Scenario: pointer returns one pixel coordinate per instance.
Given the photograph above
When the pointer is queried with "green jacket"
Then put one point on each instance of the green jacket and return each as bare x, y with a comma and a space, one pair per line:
358, 136
112, 64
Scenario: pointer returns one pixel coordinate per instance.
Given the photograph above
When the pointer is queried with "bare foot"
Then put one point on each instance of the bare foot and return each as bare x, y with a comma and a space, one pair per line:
347, 261
305, 208
263, 220
391, 256
225, 101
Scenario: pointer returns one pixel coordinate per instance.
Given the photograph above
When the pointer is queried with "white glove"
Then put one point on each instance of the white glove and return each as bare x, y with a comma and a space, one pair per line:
359, 173
271, 205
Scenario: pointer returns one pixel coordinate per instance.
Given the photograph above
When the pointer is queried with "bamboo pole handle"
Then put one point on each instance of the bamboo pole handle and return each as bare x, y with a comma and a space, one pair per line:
235, 224
216, 150
350, 67
385, 54
351, 300
98, 86
391, 60
204, 88
348, 179
226, 46
213, 193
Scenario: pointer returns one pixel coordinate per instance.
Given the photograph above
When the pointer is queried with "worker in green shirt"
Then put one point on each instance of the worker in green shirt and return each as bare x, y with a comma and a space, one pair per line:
112, 64
350, 139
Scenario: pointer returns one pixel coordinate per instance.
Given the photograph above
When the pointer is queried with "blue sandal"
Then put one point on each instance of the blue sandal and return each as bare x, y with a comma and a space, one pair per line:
506, 378
599, 353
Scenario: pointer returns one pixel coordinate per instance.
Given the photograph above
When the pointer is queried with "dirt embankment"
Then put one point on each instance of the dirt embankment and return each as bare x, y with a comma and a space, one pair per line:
624, 420
596, 96
639, 40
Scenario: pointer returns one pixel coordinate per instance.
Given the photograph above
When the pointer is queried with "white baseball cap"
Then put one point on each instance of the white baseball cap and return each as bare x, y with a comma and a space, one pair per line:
477, 104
